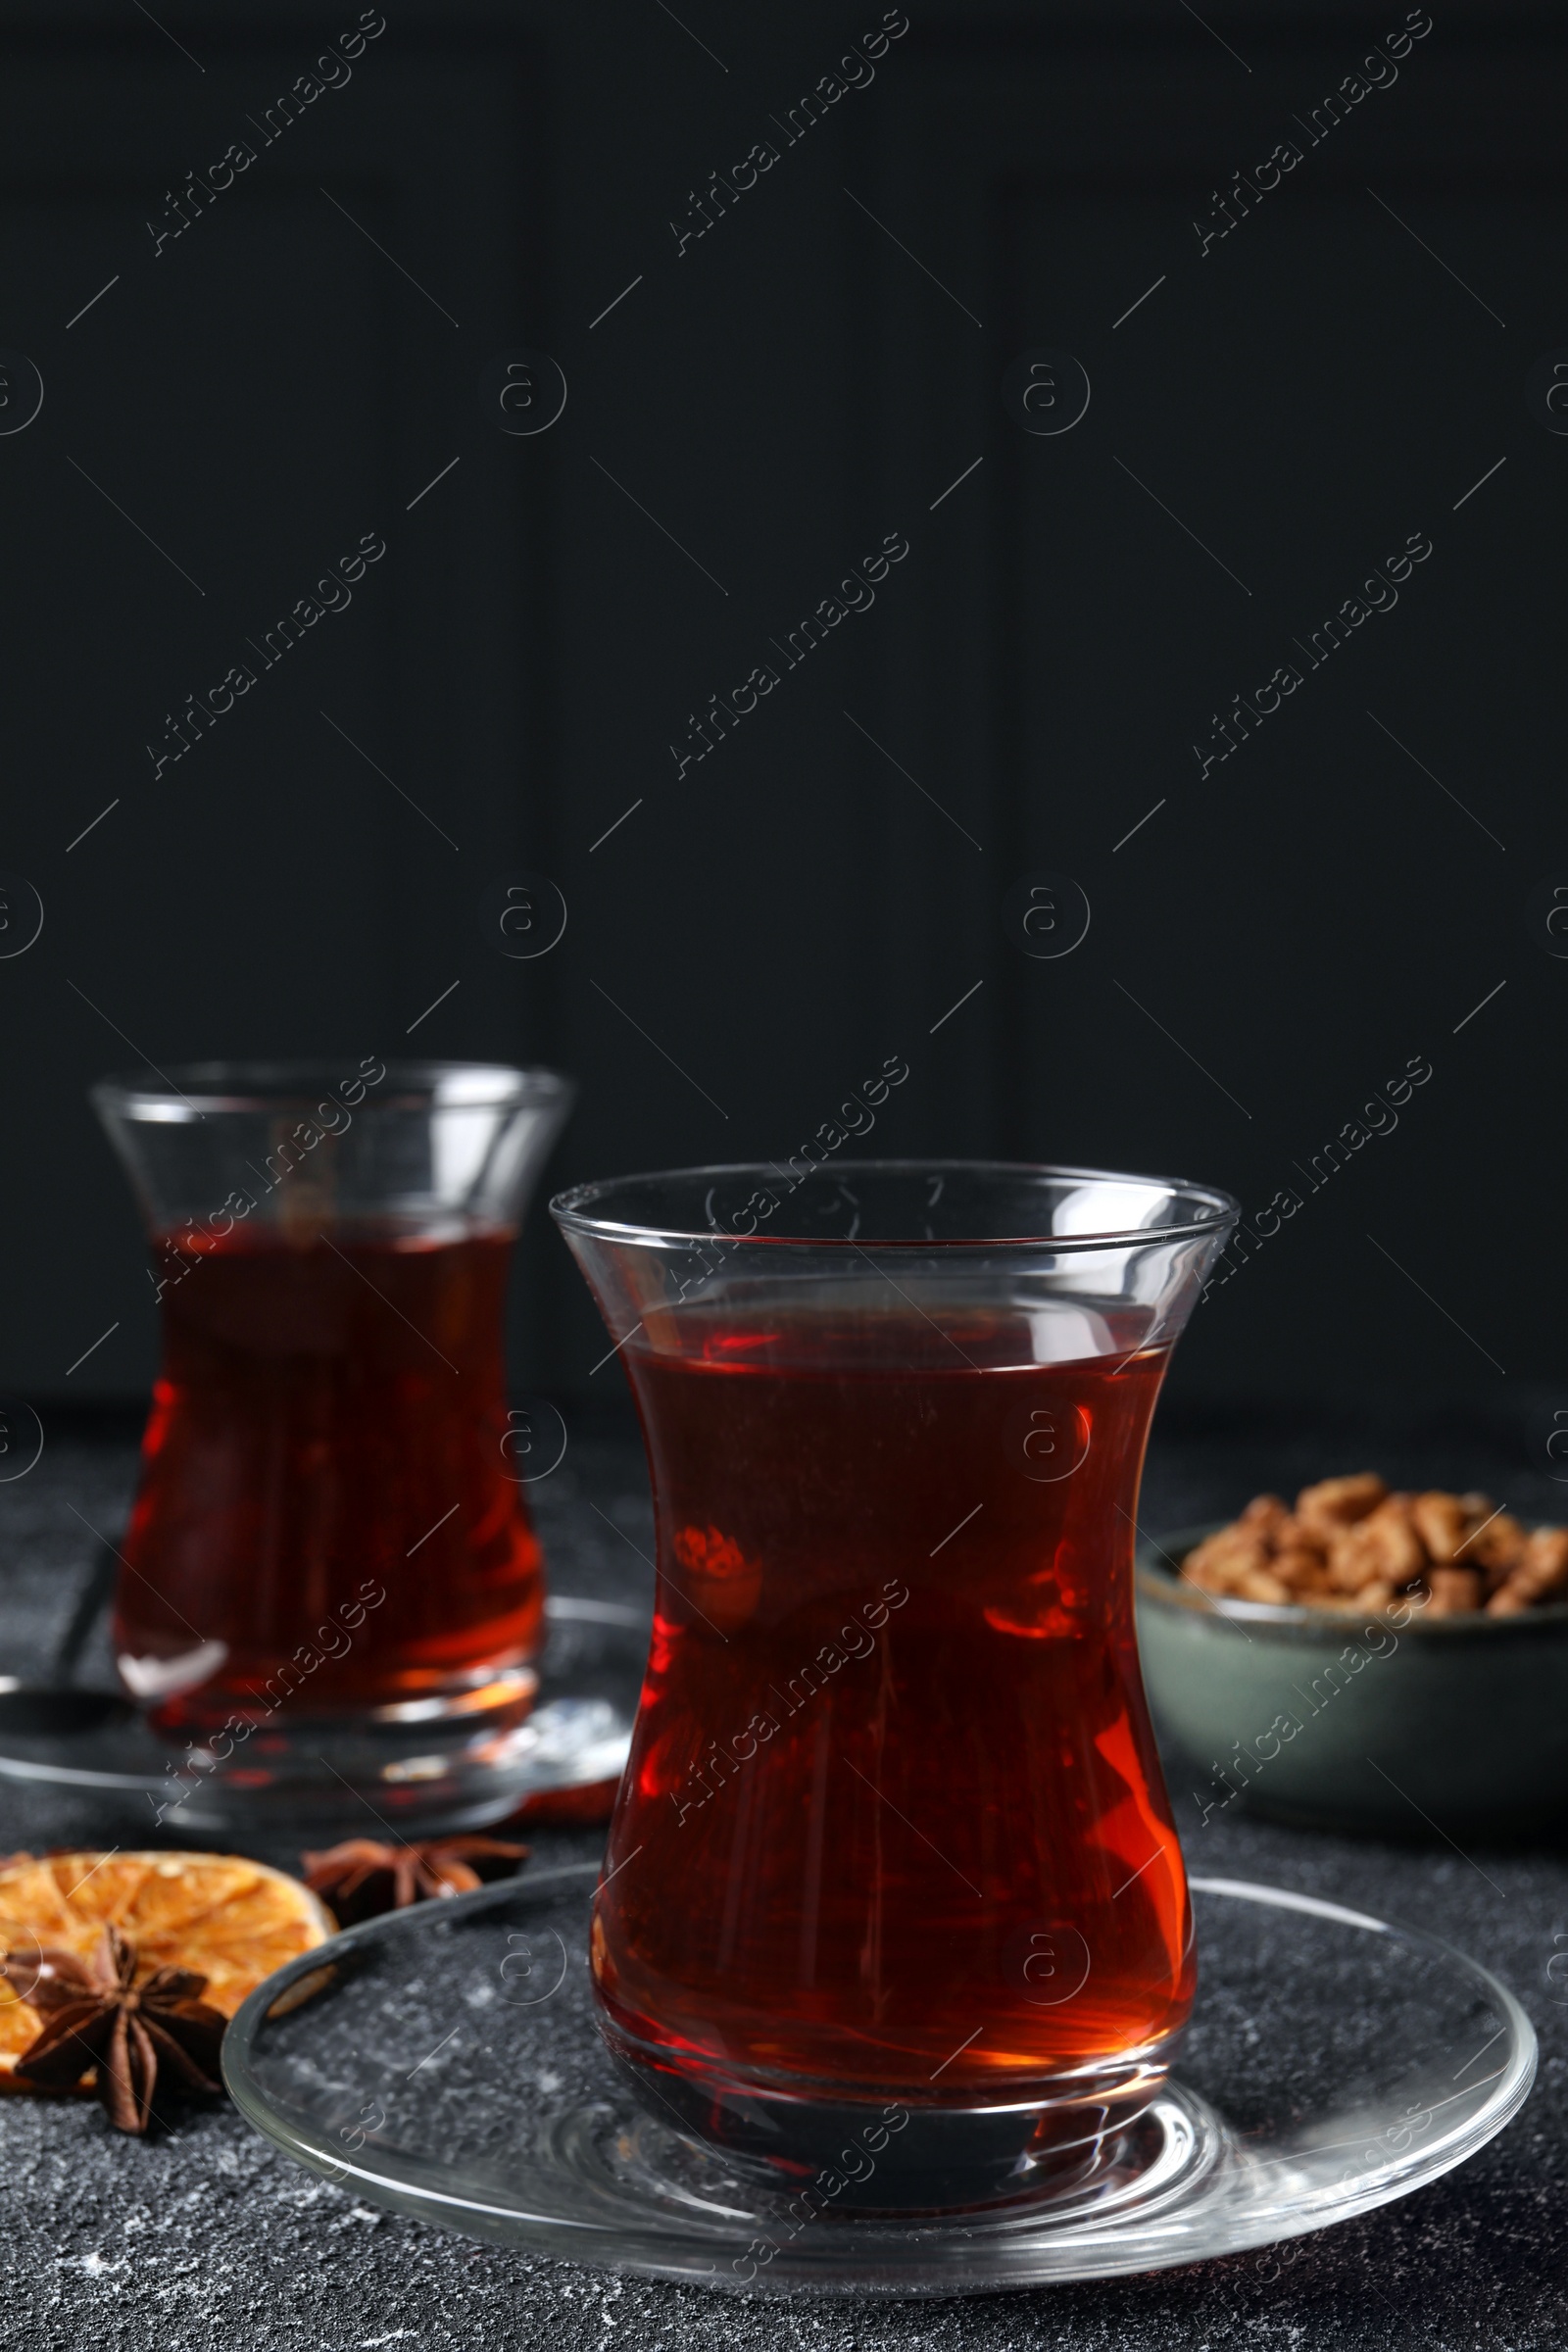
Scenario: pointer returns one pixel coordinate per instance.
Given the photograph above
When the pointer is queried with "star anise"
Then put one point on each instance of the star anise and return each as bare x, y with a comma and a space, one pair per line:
363, 1877
98, 2016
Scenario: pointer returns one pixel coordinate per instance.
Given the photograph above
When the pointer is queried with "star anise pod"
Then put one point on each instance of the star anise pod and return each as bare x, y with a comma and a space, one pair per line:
363, 1877
98, 2016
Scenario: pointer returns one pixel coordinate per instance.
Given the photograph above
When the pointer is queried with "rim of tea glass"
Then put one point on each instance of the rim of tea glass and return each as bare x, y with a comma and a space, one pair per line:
571, 1209
192, 1089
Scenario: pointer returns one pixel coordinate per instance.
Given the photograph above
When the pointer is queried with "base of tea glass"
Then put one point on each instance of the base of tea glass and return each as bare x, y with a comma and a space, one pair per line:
443, 1752
941, 2157
420, 1776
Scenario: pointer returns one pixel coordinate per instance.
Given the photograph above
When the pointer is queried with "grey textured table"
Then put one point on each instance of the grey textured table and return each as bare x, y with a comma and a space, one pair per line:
210, 2237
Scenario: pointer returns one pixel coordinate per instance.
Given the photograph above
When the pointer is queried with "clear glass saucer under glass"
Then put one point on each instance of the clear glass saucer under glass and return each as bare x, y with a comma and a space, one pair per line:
576, 1735
446, 2062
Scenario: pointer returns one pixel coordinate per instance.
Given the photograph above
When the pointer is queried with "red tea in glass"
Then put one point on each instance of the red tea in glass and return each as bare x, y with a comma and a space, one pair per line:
326, 1497
894, 1827
329, 1588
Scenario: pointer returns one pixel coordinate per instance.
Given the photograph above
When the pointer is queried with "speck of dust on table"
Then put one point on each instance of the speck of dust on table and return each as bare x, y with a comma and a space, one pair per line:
211, 2237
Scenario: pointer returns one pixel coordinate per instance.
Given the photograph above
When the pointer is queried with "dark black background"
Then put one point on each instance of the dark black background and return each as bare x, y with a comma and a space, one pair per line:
1271, 946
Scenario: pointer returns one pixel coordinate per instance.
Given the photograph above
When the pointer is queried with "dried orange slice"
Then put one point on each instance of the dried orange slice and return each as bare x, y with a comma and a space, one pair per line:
231, 1920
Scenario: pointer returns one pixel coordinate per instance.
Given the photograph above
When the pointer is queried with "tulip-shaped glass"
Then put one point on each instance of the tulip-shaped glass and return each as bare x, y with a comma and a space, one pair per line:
893, 1841
329, 1580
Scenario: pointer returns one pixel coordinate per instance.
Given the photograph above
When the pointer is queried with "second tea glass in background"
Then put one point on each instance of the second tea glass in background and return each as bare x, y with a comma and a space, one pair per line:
329, 1582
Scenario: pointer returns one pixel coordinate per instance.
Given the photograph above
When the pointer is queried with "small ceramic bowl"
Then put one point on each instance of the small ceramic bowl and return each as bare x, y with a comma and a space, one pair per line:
1382, 1722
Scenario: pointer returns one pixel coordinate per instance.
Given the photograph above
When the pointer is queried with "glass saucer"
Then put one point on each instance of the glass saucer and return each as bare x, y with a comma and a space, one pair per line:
576, 1735
445, 2062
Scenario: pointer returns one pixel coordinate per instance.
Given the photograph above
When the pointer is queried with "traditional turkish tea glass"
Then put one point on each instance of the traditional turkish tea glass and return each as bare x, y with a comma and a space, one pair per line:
892, 1855
329, 1579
